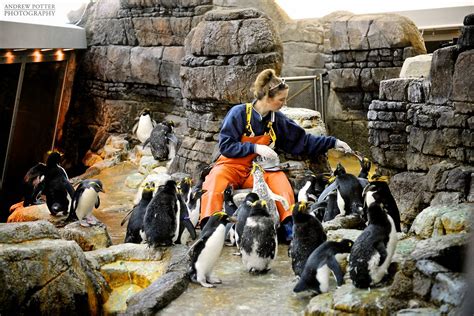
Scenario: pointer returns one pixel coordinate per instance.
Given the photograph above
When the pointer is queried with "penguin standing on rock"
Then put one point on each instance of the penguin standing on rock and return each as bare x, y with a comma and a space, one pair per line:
135, 224
33, 184
379, 191
159, 224
163, 141
372, 252
320, 264
142, 129
349, 192
57, 188
85, 198
259, 239
207, 249
308, 234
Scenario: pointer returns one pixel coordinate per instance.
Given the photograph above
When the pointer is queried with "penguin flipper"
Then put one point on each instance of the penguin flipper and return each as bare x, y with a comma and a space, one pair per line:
336, 270
126, 217
172, 138
190, 227
97, 203
146, 143
279, 198
135, 127
382, 250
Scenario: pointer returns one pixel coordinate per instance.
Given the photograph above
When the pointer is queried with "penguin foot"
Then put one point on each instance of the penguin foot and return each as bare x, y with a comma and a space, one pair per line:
237, 254
213, 280
84, 223
205, 284
91, 220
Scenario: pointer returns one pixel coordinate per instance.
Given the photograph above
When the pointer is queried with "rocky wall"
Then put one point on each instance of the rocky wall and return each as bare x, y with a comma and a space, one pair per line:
223, 55
366, 49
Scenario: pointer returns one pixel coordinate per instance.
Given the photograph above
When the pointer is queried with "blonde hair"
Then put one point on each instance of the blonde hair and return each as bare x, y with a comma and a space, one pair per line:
268, 83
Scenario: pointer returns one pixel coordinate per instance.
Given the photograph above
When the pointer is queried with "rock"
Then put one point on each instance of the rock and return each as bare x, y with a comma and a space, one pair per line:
348, 222
416, 67
349, 299
466, 39
448, 288
404, 248
48, 276
147, 163
395, 89
123, 252
441, 74
463, 88
426, 311
134, 180
14, 233
338, 234
423, 225
441, 247
308, 119
459, 220
91, 158
88, 238
416, 91
447, 198
33, 213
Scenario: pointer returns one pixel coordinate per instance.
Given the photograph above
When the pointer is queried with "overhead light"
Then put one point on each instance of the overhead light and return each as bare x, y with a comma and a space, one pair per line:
66, 49
37, 56
46, 49
19, 49
59, 55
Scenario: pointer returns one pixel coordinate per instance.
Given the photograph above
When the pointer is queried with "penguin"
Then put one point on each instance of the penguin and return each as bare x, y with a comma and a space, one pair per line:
207, 249
332, 210
163, 141
135, 224
160, 225
229, 205
85, 198
259, 242
349, 192
194, 205
33, 184
204, 170
308, 234
142, 129
373, 249
186, 228
242, 213
313, 187
57, 188
379, 191
365, 165
185, 186
315, 276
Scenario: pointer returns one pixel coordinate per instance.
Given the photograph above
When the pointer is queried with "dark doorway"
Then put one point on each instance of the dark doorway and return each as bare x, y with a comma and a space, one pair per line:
34, 127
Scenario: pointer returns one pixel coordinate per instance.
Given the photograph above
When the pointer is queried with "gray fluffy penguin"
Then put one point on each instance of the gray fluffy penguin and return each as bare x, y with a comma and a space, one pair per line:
57, 188
207, 249
259, 243
373, 249
320, 264
86, 197
135, 223
159, 224
163, 141
308, 234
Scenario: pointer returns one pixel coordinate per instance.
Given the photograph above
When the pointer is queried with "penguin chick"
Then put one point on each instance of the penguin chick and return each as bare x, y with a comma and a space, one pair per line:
242, 213
379, 192
229, 204
207, 249
308, 234
85, 198
349, 192
135, 224
161, 140
373, 249
320, 263
259, 239
142, 129
57, 188
33, 184
159, 224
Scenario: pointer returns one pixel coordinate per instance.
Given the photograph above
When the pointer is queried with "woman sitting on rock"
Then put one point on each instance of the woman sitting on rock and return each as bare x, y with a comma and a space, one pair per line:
258, 128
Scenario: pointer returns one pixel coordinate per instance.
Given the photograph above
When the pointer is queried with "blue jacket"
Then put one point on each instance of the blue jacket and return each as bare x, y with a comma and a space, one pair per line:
290, 137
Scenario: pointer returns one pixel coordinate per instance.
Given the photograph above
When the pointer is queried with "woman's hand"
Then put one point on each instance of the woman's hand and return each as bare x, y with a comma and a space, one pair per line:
265, 151
342, 146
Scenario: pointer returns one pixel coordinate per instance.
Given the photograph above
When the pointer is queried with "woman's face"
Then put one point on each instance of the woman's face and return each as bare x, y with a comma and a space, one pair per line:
278, 101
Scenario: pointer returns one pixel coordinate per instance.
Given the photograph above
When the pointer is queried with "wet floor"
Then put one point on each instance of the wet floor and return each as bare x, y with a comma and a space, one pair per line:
241, 293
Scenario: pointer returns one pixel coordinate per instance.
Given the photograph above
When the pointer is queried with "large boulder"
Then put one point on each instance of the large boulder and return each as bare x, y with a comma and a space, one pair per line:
416, 67
88, 238
41, 274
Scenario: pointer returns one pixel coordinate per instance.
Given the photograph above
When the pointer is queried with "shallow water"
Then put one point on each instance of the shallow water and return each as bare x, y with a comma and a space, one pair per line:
241, 293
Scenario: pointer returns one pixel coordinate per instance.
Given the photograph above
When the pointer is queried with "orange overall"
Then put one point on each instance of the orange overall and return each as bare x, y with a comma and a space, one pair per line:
236, 172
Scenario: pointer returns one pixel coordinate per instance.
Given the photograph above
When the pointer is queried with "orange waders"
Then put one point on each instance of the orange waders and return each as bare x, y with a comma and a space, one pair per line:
236, 172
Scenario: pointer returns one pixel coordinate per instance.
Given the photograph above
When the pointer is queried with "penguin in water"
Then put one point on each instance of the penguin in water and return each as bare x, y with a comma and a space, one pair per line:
33, 184
207, 249
85, 198
308, 234
242, 213
372, 252
349, 192
379, 191
320, 263
57, 188
160, 224
163, 141
259, 239
135, 224
142, 129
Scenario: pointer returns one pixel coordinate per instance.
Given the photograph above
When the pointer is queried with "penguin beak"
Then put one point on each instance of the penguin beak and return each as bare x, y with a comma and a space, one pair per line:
101, 189
233, 219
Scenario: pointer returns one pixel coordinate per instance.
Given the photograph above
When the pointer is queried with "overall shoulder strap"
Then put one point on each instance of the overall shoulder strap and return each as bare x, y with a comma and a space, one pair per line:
248, 127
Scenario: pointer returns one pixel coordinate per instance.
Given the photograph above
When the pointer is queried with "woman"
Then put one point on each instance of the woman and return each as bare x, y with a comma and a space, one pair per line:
258, 128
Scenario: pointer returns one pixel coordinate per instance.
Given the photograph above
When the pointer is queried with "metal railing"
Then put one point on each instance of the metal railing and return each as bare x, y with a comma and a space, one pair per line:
317, 86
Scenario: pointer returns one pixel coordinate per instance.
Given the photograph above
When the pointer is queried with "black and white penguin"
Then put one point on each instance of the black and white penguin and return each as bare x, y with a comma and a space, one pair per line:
33, 184
308, 234
186, 229
86, 197
57, 188
372, 252
163, 142
312, 186
349, 192
135, 223
207, 249
142, 129
194, 205
365, 166
229, 205
332, 210
185, 187
242, 213
160, 224
259, 242
320, 264
379, 192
